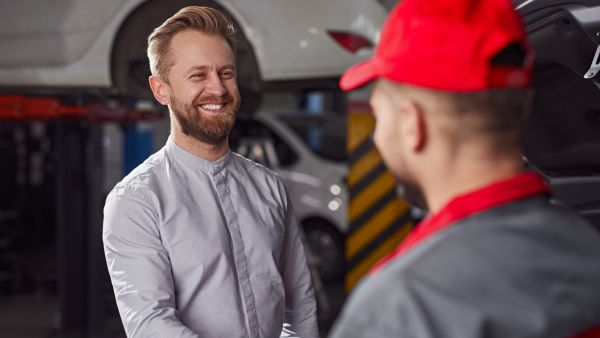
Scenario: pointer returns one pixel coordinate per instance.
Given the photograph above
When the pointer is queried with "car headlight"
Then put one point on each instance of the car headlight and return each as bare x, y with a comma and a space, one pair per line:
335, 204
335, 189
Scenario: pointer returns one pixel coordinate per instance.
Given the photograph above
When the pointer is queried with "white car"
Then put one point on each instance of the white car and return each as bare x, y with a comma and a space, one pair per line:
99, 45
309, 152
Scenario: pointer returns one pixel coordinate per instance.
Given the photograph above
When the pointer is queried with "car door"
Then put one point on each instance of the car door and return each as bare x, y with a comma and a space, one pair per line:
562, 136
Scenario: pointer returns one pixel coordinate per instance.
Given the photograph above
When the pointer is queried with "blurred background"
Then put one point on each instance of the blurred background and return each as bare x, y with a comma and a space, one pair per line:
76, 115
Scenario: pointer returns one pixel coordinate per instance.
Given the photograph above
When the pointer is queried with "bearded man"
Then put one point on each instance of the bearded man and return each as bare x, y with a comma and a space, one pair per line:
199, 241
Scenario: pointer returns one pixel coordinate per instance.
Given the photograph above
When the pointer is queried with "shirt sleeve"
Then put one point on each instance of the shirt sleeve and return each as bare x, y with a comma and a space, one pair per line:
139, 267
300, 304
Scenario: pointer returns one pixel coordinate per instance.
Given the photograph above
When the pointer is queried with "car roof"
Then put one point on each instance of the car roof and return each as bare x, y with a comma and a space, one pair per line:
527, 6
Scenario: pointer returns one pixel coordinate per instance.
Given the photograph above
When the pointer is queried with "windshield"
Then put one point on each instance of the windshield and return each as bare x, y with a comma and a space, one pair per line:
325, 135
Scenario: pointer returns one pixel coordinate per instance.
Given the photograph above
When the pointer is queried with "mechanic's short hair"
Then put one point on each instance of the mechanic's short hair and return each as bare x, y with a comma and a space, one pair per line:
500, 110
494, 114
203, 19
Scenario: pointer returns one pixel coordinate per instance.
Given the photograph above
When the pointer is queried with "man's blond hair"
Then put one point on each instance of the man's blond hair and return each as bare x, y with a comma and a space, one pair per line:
203, 19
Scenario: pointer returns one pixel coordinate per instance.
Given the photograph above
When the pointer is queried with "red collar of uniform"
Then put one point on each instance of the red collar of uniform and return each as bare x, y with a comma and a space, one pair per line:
520, 186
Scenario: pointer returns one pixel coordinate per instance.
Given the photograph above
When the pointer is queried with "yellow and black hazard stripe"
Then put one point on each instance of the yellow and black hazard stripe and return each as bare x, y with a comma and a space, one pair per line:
378, 218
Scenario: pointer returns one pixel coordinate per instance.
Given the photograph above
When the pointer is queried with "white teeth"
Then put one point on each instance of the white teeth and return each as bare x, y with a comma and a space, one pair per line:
212, 106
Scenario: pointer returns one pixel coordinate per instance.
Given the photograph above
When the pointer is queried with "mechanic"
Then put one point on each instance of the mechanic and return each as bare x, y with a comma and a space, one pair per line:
199, 241
494, 258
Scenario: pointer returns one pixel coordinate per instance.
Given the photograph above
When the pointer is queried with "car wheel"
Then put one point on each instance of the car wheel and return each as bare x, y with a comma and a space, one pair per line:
130, 68
326, 245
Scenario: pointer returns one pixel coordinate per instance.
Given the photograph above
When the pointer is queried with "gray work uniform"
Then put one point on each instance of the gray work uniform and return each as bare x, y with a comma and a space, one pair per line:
206, 249
523, 269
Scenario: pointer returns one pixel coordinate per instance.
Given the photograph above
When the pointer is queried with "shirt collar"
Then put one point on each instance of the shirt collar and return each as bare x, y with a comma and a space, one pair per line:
520, 186
211, 168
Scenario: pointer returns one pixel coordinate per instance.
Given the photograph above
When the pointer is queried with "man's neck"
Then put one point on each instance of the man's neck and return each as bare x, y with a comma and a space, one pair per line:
209, 152
459, 178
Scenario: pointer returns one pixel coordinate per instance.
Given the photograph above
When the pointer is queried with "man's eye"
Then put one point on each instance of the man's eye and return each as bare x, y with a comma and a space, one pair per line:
227, 75
198, 75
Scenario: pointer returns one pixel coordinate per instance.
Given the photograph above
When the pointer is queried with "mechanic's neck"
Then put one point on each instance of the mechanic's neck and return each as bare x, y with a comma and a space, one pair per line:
209, 152
461, 177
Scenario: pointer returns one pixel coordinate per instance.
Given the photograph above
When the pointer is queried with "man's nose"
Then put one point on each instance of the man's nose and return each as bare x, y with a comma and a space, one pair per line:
215, 85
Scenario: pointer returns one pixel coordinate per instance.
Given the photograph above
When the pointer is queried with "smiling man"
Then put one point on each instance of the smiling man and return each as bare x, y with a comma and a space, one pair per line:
199, 241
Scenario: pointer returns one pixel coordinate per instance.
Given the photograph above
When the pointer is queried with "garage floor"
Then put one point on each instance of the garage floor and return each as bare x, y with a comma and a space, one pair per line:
30, 316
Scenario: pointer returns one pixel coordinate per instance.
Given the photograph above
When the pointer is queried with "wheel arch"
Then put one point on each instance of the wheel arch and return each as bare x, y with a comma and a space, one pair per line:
321, 221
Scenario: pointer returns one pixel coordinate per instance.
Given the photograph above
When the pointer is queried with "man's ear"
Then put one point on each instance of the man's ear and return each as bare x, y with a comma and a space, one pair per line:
160, 89
413, 126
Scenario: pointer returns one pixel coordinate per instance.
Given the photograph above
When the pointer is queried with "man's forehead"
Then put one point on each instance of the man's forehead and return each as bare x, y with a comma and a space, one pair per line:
196, 49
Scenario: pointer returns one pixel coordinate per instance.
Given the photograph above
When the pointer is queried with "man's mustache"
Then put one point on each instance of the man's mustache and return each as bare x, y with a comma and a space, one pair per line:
214, 99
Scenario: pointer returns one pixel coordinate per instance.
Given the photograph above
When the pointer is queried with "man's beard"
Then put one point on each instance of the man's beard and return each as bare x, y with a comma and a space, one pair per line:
412, 193
407, 187
206, 129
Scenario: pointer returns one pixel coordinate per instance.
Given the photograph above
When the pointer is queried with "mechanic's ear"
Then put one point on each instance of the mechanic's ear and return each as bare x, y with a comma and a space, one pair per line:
413, 126
160, 89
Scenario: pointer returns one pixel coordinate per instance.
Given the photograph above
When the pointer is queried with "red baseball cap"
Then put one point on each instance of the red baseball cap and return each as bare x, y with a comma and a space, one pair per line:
447, 45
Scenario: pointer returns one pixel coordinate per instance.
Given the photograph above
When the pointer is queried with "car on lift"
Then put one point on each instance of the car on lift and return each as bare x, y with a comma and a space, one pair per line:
562, 134
99, 46
308, 150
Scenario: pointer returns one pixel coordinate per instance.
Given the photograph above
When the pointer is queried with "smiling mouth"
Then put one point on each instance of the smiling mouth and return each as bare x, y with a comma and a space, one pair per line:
213, 106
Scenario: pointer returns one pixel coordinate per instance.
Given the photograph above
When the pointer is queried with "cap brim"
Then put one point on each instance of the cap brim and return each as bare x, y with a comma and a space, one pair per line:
358, 75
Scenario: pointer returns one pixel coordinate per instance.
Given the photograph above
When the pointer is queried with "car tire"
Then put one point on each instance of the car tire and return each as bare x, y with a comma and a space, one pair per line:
326, 245
130, 68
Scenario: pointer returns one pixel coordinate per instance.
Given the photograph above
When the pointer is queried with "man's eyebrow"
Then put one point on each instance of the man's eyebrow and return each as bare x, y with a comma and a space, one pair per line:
197, 68
207, 68
227, 66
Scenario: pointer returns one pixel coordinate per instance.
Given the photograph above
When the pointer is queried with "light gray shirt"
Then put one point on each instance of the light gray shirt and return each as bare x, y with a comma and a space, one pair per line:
206, 249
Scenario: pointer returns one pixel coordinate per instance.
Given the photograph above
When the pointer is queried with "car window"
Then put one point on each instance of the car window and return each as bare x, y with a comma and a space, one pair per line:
324, 135
257, 142
562, 135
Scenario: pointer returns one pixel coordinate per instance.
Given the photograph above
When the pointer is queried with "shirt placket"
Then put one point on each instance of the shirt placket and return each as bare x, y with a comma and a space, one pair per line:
239, 255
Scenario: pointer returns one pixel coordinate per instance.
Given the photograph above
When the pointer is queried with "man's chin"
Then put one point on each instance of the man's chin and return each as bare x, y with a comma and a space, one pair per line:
214, 140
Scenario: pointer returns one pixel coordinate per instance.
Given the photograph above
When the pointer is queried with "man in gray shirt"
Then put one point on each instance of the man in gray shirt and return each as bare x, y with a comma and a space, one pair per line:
494, 258
199, 241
